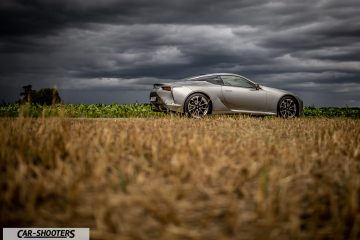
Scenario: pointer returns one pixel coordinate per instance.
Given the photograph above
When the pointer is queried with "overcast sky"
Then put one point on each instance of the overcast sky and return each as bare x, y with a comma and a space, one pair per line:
109, 51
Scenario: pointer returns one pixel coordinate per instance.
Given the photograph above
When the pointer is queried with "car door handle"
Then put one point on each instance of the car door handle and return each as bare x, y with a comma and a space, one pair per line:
228, 90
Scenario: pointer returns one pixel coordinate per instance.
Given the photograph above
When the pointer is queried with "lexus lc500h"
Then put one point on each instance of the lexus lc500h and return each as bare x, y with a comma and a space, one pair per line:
223, 93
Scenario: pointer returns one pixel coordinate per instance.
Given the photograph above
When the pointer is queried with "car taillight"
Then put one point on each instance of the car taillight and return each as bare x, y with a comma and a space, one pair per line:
166, 88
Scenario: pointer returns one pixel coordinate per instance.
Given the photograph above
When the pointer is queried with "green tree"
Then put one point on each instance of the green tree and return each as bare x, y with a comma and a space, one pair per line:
45, 96
27, 94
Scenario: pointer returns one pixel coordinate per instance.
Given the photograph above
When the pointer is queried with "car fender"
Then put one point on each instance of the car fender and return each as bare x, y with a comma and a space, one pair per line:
215, 95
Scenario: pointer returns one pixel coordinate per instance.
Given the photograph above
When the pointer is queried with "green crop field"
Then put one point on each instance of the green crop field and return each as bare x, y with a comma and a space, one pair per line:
79, 110
132, 110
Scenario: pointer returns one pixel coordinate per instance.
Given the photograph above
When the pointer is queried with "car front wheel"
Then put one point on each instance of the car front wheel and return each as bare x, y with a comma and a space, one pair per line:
287, 107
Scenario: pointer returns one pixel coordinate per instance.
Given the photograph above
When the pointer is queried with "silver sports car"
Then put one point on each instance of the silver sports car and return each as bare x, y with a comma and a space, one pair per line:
220, 93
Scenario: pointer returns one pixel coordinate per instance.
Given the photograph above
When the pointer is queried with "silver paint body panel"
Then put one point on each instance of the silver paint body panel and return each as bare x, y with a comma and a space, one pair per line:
224, 99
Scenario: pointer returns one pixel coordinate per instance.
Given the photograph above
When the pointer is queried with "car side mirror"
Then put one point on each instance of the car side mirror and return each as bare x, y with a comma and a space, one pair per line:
257, 86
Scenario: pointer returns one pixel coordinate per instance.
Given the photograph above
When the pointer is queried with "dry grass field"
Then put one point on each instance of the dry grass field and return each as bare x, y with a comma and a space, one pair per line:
175, 178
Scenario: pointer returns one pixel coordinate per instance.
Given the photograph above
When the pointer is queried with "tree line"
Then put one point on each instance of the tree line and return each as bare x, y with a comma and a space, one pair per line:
44, 96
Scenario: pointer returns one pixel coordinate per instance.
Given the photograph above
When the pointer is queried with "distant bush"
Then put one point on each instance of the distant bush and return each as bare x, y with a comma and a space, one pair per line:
332, 112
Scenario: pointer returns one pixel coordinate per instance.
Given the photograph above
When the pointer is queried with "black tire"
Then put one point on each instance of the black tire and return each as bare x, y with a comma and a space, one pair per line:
288, 107
197, 105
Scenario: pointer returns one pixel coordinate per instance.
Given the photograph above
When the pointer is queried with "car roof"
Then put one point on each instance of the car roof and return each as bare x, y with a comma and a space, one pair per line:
209, 75
204, 76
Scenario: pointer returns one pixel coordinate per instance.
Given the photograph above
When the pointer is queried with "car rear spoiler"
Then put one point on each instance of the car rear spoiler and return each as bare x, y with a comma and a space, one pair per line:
157, 85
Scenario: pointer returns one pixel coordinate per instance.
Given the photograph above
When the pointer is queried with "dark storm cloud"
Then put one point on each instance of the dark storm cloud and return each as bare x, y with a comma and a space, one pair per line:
21, 17
309, 47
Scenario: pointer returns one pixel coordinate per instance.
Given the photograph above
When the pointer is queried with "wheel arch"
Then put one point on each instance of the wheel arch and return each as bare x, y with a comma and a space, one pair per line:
198, 92
296, 102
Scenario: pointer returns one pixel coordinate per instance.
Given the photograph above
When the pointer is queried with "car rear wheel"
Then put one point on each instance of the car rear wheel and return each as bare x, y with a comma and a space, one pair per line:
287, 107
197, 105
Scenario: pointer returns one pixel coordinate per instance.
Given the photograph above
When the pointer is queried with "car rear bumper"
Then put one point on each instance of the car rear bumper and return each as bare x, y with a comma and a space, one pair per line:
160, 105
156, 102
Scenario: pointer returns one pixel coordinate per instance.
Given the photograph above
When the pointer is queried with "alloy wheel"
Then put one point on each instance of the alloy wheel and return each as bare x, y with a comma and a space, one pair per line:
198, 106
287, 108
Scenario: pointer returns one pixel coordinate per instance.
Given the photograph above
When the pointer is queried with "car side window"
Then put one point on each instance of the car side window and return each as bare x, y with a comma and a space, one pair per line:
215, 80
236, 81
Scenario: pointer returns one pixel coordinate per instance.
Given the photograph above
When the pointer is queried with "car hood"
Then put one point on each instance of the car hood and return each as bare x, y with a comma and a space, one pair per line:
275, 90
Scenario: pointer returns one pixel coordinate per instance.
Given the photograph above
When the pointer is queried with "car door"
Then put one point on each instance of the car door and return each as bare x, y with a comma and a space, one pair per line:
241, 94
